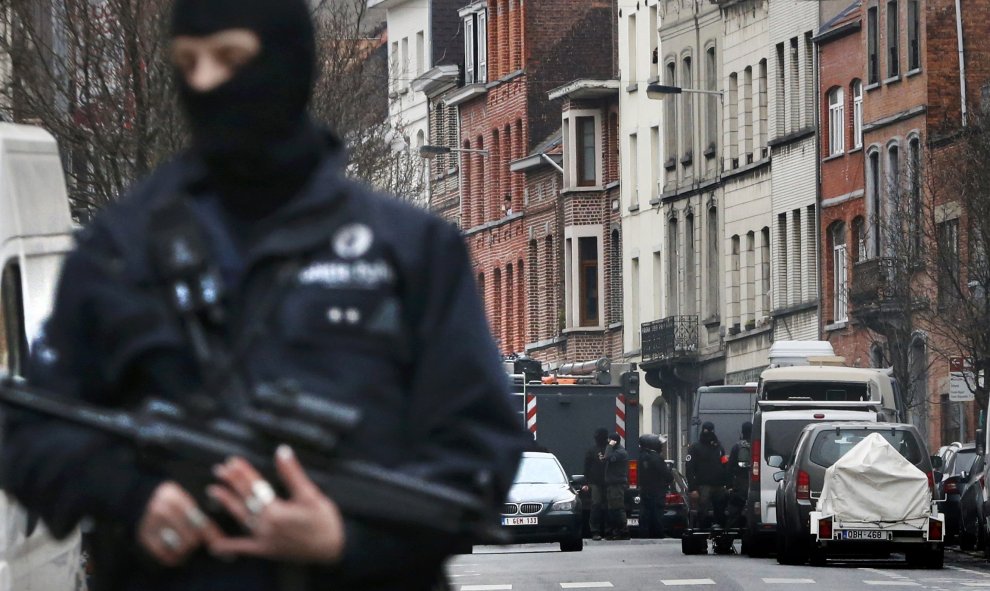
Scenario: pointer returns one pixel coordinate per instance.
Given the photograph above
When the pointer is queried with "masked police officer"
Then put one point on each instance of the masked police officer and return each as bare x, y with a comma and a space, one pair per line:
705, 467
350, 295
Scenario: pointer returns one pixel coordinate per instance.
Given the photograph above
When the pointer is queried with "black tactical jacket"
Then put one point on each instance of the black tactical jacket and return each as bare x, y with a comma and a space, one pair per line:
703, 465
379, 310
616, 465
655, 476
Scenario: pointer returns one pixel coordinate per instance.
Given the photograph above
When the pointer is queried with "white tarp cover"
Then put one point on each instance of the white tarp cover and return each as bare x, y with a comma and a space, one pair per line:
875, 483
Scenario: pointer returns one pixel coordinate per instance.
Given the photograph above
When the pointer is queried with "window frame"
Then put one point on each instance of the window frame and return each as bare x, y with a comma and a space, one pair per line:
857, 93
573, 276
873, 45
570, 139
836, 122
840, 272
893, 36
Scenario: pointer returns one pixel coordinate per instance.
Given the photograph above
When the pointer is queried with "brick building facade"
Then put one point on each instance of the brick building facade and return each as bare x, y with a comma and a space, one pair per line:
515, 53
890, 74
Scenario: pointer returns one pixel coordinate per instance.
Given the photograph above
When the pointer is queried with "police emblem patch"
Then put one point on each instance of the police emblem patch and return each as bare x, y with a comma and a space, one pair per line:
352, 241
687, 458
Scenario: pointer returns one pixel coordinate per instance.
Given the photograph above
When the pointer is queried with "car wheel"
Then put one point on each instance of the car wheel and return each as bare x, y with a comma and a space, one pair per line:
575, 544
790, 550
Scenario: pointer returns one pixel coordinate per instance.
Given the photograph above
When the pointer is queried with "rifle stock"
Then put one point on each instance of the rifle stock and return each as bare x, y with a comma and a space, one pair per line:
188, 450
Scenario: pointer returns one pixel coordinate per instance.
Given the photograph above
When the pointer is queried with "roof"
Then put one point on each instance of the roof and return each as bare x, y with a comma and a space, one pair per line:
847, 20
552, 147
586, 89
808, 373
553, 142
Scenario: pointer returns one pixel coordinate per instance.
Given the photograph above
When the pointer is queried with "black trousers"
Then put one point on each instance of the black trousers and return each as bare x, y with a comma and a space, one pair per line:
651, 516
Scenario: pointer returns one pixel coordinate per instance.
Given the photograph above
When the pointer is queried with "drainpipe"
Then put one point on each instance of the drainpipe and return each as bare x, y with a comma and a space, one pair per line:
552, 163
962, 60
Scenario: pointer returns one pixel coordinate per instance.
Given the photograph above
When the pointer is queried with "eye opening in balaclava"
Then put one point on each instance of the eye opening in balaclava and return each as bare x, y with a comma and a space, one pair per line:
238, 126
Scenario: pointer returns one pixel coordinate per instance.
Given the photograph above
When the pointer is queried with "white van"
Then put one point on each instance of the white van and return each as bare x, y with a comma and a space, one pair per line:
836, 387
774, 434
35, 233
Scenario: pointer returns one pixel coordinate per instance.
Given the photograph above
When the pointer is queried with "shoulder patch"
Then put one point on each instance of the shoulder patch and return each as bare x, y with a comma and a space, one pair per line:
687, 458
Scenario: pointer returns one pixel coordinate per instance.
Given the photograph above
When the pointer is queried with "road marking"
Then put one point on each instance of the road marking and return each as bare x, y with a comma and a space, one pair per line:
486, 587
977, 584
903, 583
686, 582
966, 570
885, 573
789, 581
602, 585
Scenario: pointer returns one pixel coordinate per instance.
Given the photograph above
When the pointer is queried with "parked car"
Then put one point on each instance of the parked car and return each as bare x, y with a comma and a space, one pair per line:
971, 530
957, 461
800, 482
543, 505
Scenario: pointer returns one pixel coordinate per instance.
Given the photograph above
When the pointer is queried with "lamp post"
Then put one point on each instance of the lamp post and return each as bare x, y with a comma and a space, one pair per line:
660, 91
429, 152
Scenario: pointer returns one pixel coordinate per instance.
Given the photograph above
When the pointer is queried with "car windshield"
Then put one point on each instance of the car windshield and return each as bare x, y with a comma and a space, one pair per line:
819, 391
963, 461
539, 471
831, 445
779, 438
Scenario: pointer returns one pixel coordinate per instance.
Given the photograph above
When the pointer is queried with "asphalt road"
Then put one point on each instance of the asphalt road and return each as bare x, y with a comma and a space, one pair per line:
653, 565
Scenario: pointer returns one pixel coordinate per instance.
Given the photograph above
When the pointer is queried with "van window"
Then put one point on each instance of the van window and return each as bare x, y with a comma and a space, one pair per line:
725, 401
819, 391
831, 445
779, 438
14, 345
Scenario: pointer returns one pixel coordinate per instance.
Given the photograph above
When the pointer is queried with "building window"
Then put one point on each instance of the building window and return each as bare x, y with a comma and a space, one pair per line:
779, 95
711, 102
894, 181
673, 254
857, 90
893, 40
394, 65
794, 94
690, 281
914, 194
687, 115
734, 119
404, 63
747, 108
749, 313
713, 262
836, 122
634, 169
734, 288
859, 240
655, 161
840, 281
670, 117
872, 46
584, 133
797, 257
635, 328
631, 48
810, 90
873, 204
762, 136
914, 41
582, 148
476, 47
782, 260
765, 268
948, 263
583, 276
654, 43
420, 53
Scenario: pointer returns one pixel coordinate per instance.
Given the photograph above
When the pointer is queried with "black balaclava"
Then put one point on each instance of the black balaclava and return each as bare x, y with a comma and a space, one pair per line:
252, 131
708, 433
613, 436
601, 437
747, 430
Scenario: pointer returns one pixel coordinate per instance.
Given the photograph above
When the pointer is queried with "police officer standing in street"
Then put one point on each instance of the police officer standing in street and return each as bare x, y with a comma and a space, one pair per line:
616, 484
705, 467
739, 465
594, 473
306, 278
655, 478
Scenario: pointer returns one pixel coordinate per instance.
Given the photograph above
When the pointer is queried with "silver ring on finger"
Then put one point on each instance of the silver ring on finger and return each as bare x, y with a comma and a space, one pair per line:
262, 495
171, 538
195, 517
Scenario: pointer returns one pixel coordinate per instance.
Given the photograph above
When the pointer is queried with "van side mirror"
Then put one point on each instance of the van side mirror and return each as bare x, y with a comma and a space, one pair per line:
775, 461
778, 476
936, 462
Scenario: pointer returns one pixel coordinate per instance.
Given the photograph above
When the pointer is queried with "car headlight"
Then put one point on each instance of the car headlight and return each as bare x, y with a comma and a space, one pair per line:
564, 505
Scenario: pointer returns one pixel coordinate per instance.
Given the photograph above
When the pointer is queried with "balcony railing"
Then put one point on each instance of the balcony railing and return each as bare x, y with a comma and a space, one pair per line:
669, 338
879, 281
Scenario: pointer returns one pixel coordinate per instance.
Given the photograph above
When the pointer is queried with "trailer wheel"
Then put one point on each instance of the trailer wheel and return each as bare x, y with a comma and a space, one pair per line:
691, 545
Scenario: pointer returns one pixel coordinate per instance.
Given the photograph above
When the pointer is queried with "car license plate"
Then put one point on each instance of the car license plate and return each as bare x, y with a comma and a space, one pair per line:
632, 522
864, 534
520, 521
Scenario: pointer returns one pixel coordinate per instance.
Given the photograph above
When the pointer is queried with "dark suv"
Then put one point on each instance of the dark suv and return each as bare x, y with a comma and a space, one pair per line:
800, 483
958, 462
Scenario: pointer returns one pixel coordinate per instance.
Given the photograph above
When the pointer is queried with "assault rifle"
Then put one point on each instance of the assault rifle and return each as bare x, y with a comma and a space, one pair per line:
186, 447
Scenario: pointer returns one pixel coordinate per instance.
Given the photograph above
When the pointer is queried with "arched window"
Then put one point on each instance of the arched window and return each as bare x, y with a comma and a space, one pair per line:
859, 240
857, 92
873, 204
836, 122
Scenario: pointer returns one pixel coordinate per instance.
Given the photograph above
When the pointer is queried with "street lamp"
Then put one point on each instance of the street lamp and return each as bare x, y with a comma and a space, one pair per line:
427, 151
660, 91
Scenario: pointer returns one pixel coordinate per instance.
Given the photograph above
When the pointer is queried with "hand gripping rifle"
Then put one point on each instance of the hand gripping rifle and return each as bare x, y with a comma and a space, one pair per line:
186, 448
